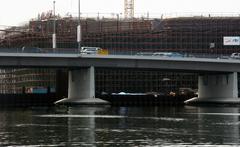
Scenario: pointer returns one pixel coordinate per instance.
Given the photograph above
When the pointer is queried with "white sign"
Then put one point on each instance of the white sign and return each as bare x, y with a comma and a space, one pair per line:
231, 40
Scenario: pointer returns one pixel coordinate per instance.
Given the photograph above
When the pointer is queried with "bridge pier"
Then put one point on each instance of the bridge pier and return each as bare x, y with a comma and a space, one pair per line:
218, 88
81, 88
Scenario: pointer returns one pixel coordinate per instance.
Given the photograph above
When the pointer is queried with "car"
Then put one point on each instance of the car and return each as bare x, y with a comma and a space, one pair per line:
235, 56
90, 50
168, 54
144, 54
31, 50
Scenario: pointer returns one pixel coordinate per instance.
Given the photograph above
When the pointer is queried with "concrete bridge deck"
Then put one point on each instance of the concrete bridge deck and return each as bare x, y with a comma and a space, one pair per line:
19, 60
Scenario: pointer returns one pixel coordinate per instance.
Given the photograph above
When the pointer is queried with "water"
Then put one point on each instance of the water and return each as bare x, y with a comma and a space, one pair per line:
120, 126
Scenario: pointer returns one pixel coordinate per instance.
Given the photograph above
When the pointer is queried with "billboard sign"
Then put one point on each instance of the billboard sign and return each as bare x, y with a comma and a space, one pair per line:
231, 40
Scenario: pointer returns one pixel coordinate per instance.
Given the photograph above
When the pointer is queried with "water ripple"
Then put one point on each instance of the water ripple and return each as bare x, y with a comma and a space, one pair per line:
108, 116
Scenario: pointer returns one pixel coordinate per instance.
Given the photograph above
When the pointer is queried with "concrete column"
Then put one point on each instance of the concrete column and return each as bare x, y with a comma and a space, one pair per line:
217, 88
81, 84
81, 88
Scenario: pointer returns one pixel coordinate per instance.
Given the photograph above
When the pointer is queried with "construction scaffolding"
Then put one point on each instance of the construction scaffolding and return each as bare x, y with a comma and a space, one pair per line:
187, 35
203, 35
15, 81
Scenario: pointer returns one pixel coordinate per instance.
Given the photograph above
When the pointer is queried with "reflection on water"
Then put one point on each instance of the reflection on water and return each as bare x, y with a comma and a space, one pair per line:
119, 126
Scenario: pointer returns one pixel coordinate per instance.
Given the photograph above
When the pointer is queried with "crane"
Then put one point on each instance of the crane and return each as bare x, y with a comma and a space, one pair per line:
128, 9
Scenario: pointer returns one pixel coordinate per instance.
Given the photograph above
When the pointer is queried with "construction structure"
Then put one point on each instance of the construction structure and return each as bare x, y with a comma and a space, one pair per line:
129, 9
187, 35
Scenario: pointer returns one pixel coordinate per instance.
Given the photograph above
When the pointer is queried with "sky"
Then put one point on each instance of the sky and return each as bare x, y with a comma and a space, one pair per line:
18, 12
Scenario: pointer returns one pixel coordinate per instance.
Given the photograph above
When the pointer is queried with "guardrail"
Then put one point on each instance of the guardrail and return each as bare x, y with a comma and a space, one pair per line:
167, 54
39, 50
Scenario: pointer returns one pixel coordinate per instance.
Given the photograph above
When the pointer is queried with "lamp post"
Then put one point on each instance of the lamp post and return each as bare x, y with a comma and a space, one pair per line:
54, 28
79, 29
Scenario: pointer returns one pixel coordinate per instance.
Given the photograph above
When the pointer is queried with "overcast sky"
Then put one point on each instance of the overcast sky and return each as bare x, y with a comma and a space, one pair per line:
16, 12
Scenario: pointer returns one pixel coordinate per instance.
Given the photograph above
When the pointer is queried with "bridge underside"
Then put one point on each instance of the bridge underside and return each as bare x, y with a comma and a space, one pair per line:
218, 88
212, 88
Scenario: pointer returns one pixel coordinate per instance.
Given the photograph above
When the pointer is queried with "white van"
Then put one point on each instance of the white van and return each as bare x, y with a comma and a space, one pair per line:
235, 56
90, 50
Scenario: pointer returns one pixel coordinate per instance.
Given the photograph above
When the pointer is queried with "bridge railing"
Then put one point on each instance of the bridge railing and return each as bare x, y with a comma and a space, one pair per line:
166, 54
40, 50
179, 54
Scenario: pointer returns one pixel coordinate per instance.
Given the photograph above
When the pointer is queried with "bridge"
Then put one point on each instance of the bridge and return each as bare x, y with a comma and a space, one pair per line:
217, 82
